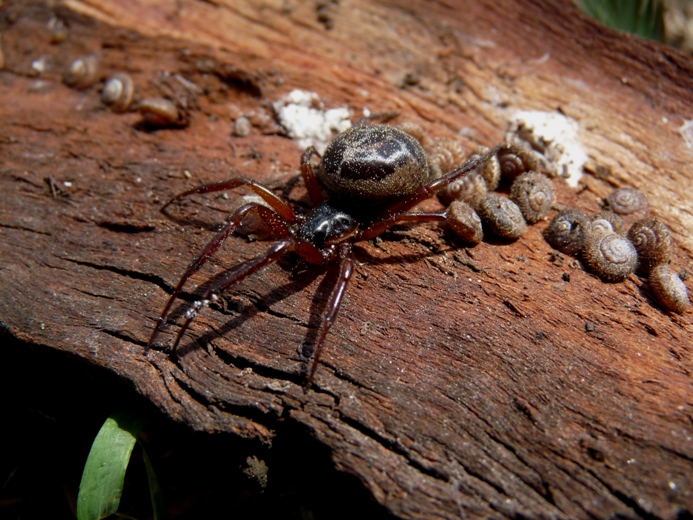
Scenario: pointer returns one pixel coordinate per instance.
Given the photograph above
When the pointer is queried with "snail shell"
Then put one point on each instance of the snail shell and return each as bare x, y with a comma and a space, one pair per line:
502, 216
414, 130
162, 112
465, 222
489, 170
567, 230
242, 126
669, 288
118, 92
625, 201
444, 155
82, 73
57, 29
533, 193
515, 159
606, 222
612, 256
470, 188
652, 240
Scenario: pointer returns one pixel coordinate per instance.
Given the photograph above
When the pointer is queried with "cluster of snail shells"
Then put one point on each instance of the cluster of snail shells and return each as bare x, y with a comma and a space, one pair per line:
474, 206
613, 254
118, 93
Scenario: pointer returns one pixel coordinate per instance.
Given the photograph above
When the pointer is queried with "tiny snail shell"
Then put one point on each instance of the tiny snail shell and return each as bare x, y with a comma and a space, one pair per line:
444, 155
242, 127
57, 29
515, 159
414, 130
566, 231
82, 73
490, 169
669, 288
625, 201
469, 188
118, 92
651, 238
533, 193
612, 256
606, 222
502, 216
465, 222
161, 112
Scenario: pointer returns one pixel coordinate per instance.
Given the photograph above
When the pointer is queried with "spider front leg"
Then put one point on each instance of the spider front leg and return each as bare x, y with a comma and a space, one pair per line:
346, 269
272, 219
275, 202
312, 185
428, 190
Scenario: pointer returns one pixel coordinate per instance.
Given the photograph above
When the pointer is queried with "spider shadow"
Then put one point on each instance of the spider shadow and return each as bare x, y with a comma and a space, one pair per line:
299, 282
303, 275
185, 221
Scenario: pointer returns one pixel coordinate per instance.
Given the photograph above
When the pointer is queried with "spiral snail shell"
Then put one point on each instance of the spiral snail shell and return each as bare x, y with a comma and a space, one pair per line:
470, 188
669, 288
490, 169
501, 216
444, 155
162, 112
82, 73
465, 222
625, 201
515, 159
652, 240
414, 130
567, 230
612, 256
606, 222
118, 92
533, 193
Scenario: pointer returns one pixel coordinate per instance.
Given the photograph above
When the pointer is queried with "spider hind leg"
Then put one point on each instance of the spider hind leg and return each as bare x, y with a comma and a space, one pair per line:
274, 222
231, 278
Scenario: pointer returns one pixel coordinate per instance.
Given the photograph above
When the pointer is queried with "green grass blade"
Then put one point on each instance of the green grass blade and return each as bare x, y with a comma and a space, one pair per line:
155, 492
641, 17
104, 473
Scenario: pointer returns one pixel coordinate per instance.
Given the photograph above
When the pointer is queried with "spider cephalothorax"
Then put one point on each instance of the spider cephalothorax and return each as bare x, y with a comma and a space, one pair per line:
369, 178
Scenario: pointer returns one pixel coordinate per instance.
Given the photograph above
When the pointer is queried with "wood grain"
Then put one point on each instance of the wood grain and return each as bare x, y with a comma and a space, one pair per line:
471, 382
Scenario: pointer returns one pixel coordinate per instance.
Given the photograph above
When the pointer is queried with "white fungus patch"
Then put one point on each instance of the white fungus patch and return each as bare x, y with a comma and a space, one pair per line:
305, 119
554, 135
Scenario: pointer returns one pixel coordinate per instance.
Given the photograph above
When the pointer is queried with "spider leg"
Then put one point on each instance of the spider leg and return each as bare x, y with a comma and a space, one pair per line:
346, 269
383, 117
381, 225
236, 275
277, 204
277, 225
428, 190
312, 185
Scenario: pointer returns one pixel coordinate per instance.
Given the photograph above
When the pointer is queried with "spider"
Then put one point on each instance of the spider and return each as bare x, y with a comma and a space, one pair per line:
368, 180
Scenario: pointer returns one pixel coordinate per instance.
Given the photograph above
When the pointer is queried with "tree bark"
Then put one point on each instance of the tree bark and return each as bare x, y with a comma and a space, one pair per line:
473, 382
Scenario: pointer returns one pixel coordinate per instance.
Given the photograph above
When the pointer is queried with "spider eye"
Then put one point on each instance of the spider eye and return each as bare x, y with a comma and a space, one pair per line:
326, 224
341, 224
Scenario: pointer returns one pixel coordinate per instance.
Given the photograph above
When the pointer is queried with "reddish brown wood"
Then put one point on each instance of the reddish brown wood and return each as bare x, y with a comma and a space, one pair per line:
456, 381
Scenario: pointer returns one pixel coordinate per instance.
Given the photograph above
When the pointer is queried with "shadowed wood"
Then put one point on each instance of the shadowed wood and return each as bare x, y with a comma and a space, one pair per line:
456, 381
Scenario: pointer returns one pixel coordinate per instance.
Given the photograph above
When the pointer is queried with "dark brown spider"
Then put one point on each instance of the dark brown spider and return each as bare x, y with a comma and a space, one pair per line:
369, 178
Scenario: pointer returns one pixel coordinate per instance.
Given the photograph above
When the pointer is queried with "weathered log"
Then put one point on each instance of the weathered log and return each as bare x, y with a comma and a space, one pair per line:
457, 381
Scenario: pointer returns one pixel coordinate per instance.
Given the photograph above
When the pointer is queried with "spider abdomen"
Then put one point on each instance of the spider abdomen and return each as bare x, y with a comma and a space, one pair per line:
377, 163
